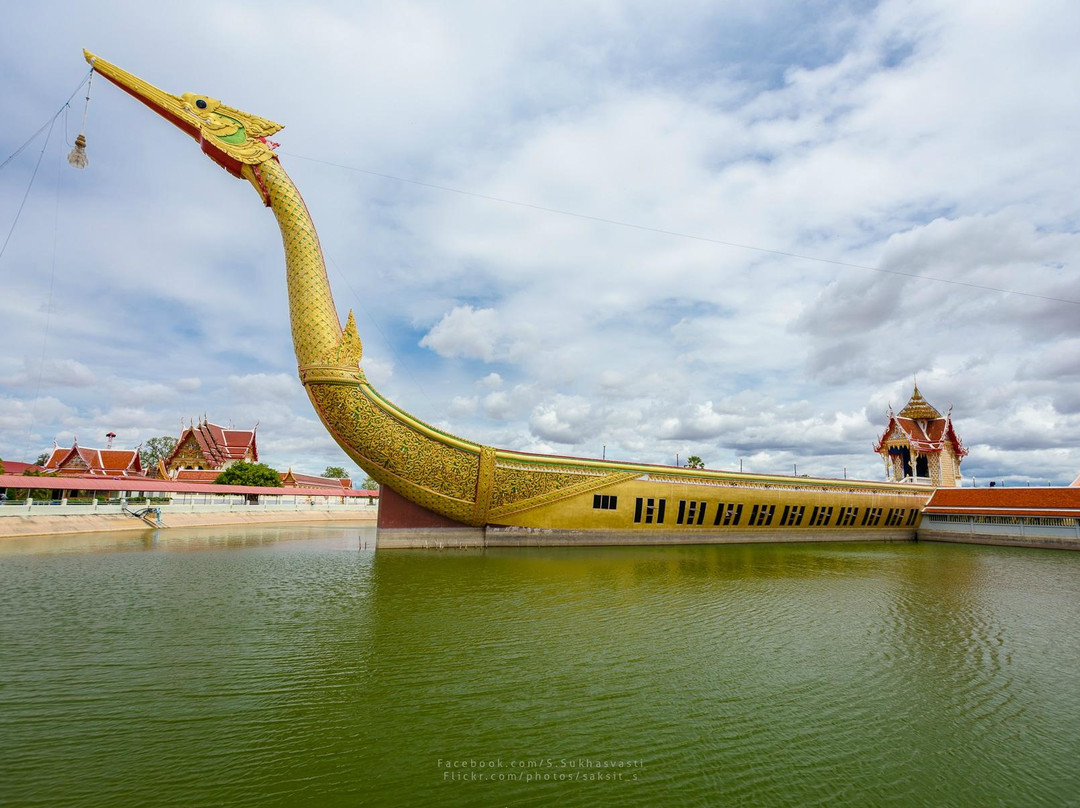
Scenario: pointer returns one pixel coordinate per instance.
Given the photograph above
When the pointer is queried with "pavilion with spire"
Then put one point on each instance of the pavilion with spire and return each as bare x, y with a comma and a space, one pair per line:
920, 445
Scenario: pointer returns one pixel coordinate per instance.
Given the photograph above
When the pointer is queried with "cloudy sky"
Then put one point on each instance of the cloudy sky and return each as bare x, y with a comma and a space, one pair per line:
640, 229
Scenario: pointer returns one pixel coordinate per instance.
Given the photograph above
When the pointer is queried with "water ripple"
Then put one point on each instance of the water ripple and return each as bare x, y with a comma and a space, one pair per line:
277, 668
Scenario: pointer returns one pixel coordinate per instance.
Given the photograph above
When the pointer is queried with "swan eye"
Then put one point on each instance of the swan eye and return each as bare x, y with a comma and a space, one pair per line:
200, 104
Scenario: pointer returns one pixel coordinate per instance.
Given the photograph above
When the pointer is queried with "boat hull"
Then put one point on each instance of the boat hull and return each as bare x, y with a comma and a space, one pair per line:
645, 510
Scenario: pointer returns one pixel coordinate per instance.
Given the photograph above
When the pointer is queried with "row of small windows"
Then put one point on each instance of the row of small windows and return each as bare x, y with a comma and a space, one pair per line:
605, 502
651, 510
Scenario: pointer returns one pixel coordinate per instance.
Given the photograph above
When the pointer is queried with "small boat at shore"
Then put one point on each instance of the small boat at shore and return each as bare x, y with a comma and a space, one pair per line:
443, 484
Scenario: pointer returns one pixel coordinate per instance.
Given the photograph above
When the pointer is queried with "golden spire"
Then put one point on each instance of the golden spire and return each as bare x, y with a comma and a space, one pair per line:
918, 408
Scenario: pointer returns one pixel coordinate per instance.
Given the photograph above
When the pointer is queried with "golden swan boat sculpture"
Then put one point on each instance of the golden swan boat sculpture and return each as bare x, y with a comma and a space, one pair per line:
469, 484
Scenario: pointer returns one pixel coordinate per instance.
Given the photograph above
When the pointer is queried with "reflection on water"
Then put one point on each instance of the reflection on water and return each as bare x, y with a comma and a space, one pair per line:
195, 538
284, 666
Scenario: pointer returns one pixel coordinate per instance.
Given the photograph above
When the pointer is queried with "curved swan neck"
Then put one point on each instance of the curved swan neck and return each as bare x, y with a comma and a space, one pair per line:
316, 329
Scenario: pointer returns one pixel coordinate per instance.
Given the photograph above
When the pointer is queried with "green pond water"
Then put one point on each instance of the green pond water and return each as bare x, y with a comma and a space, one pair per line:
289, 666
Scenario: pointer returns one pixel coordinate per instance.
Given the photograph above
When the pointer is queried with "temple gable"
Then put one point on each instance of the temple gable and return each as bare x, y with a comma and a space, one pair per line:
80, 461
207, 447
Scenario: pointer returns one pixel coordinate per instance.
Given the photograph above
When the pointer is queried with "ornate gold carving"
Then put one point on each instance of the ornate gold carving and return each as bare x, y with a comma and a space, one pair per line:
218, 127
381, 442
485, 480
351, 350
514, 484
230, 130
524, 490
316, 330
331, 374
918, 408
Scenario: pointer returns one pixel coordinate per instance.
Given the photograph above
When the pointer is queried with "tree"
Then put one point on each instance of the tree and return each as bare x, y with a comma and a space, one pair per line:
1, 466
695, 462
335, 472
41, 458
155, 449
33, 493
369, 484
249, 474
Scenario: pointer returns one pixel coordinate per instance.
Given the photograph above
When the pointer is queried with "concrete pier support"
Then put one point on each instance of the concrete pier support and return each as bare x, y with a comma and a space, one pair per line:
403, 524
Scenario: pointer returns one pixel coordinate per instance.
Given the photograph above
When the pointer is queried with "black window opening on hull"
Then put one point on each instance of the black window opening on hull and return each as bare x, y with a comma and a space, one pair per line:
820, 516
792, 515
847, 516
727, 515
605, 502
761, 515
649, 510
691, 512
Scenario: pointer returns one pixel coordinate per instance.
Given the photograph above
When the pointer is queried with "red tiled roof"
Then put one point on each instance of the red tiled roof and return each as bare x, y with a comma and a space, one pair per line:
196, 476
222, 445
929, 440
291, 478
82, 460
218, 444
15, 467
1007, 501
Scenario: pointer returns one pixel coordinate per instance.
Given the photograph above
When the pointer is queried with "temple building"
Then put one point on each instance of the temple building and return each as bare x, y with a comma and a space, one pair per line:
204, 450
82, 461
920, 445
290, 479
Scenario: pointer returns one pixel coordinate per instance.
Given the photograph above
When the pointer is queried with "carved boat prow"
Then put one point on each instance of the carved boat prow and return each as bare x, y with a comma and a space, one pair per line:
510, 497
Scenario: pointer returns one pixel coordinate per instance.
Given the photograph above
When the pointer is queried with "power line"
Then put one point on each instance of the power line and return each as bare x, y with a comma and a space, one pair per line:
29, 185
46, 127
677, 234
48, 124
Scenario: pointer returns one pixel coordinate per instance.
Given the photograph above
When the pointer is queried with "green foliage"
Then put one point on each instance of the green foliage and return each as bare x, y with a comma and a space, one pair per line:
335, 472
369, 484
1, 466
155, 449
249, 474
33, 493
695, 462
41, 458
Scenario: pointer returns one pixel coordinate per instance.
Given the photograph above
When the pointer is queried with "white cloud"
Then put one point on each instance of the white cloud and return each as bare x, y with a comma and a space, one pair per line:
52, 373
464, 332
563, 420
925, 138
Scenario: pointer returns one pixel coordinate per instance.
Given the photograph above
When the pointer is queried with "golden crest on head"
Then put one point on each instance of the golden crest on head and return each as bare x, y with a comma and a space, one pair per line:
229, 136
235, 132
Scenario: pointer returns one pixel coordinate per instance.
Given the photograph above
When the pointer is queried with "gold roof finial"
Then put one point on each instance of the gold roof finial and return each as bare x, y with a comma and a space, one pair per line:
918, 408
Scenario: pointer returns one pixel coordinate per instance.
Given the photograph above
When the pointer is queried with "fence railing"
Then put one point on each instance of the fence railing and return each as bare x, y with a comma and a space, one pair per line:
63, 507
1063, 527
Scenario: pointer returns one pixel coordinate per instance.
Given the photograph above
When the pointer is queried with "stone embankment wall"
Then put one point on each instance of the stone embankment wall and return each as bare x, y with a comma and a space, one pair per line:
1051, 533
43, 524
